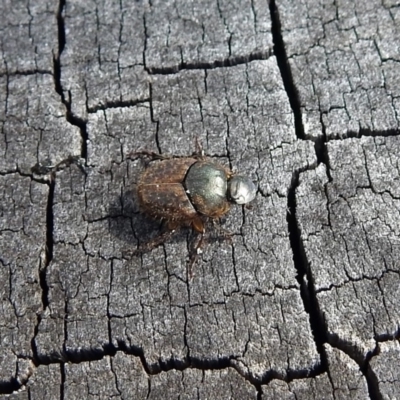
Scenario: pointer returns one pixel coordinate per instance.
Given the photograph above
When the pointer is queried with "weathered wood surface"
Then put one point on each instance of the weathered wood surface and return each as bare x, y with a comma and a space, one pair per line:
304, 96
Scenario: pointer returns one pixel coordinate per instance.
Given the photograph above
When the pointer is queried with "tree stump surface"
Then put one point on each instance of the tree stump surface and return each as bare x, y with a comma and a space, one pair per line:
303, 97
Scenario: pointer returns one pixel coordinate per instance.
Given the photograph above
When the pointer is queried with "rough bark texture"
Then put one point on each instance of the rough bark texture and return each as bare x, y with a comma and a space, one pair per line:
302, 96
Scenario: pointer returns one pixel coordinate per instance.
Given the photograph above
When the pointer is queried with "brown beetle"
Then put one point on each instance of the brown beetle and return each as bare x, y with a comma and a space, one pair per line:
188, 191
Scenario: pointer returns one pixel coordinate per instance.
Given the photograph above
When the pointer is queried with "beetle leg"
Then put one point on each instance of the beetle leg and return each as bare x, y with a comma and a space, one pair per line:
224, 234
145, 153
198, 226
195, 254
153, 243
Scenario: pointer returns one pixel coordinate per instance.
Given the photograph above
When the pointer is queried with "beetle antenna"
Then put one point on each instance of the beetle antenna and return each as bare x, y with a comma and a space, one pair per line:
223, 234
152, 244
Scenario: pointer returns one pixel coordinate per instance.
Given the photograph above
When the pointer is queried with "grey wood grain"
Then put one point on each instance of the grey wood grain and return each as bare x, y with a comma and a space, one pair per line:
301, 96
350, 233
343, 380
344, 58
382, 369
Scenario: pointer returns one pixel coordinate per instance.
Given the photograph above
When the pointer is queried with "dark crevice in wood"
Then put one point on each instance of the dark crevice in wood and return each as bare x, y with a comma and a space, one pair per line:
68, 355
35, 359
146, 36
210, 364
42, 276
89, 354
156, 135
372, 379
307, 288
109, 328
358, 357
64, 352
320, 150
228, 62
61, 26
309, 296
49, 245
175, 363
322, 155
117, 104
368, 133
320, 144
62, 383
135, 351
206, 364
284, 67
26, 73
43, 268
61, 45
289, 375
47, 359
387, 337
9, 387
81, 124
71, 118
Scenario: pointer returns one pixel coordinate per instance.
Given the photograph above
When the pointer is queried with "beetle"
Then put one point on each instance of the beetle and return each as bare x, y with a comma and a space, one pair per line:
188, 192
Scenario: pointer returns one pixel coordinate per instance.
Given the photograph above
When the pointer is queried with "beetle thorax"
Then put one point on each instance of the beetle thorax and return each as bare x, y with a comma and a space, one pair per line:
207, 186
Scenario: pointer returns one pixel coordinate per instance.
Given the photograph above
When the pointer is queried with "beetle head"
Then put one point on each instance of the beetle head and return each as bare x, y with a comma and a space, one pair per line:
241, 189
